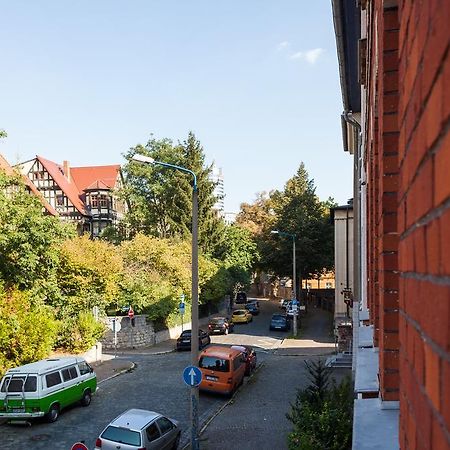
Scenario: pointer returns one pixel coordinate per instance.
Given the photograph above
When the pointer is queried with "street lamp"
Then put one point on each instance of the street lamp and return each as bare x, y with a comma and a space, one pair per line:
194, 309
294, 272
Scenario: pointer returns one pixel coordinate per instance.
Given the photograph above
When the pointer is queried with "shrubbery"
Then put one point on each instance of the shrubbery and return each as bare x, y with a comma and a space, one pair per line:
79, 333
27, 329
322, 414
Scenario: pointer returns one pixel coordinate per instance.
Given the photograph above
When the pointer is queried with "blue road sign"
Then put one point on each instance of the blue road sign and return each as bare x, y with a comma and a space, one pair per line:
192, 376
182, 307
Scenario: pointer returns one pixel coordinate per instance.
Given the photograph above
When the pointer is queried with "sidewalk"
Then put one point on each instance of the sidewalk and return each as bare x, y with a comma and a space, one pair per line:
314, 336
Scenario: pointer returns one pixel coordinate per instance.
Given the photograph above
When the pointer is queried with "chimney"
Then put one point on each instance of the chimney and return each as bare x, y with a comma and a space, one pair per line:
66, 169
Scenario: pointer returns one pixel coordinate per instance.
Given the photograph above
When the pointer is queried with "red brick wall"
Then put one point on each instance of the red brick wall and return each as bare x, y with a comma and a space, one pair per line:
388, 31
382, 195
424, 223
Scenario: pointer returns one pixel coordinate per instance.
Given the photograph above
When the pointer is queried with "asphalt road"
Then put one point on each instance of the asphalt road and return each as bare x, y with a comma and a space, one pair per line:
156, 384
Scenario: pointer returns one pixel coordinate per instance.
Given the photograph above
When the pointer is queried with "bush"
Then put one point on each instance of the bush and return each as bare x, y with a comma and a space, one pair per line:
322, 414
27, 329
79, 333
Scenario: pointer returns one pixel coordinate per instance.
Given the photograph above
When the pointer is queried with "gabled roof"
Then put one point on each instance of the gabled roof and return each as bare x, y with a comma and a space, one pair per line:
95, 177
70, 189
11, 171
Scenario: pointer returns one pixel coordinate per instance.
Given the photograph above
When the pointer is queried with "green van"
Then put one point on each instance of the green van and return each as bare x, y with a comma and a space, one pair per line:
44, 388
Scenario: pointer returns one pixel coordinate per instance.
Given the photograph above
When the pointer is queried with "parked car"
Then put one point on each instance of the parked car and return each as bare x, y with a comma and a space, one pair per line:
137, 429
284, 302
254, 302
279, 322
241, 297
184, 341
252, 308
44, 388
223, 369
249, 356
241, 316
220, 325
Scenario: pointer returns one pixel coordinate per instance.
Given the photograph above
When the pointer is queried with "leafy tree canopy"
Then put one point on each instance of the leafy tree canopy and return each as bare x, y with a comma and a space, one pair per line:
296, 210
161, 198
29, 240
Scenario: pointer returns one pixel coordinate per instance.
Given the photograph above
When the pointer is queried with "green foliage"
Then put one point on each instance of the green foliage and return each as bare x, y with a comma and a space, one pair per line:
89, 273
27, 328
322, 414
296, 210
79, 333
3, 134
29, 256
161, 197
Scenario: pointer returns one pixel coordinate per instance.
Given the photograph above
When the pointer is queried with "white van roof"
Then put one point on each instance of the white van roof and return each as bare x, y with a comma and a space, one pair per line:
46, 365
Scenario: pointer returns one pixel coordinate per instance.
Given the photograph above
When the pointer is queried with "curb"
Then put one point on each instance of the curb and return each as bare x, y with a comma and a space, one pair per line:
305, 354
133, 365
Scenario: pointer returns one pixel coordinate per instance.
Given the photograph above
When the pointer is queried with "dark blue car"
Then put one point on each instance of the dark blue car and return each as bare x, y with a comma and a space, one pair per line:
279, 322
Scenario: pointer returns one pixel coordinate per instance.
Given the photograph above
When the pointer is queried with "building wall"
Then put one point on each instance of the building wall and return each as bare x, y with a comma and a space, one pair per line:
424, 223
343, 268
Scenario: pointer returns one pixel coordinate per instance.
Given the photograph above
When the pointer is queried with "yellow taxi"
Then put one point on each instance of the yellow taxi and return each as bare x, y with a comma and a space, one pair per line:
241, 316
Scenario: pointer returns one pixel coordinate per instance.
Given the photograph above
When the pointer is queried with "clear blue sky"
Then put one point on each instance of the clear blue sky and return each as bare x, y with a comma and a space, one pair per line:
256, 80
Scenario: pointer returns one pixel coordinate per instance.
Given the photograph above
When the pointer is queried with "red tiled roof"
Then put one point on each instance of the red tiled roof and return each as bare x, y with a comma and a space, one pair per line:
70, 189
95, 177
10, 171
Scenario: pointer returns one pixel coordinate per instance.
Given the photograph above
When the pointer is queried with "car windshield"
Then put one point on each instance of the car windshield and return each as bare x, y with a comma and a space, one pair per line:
239, 313
217, 321
214, 363
278, 318
122, 435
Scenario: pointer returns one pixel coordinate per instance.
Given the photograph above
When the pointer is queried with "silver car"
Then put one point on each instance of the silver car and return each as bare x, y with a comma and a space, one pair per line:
137, 429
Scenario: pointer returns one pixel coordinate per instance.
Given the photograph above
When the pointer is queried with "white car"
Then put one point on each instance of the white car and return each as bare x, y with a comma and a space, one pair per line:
138, 429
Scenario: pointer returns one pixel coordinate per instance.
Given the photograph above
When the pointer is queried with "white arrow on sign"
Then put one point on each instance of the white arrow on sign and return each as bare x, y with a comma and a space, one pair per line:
192, 375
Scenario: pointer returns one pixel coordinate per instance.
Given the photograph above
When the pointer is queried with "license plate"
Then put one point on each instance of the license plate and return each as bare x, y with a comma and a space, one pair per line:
18, 410
278, 328
186, 341
209, 378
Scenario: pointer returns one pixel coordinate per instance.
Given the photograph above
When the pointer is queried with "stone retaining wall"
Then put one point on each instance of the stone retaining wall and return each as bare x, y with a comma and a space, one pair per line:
143, 333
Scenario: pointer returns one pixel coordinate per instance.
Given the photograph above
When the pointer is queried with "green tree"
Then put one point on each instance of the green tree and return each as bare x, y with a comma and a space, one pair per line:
299, 211
29, 240
89, 274
27, 328
161, 198
238, 253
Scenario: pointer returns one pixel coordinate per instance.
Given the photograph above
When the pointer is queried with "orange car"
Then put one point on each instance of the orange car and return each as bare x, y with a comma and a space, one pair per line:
223, 369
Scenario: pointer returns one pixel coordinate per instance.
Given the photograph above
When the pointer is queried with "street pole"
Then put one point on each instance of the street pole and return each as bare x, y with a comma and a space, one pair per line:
194, 317
194, 310
294, 281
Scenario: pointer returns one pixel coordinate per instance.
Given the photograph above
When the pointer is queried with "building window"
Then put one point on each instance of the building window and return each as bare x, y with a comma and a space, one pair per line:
60, 200
38, 175
328, 285
104, 201
94, 201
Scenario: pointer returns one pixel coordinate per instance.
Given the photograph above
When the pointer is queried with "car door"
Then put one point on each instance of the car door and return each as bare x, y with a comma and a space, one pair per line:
168, 432
153, 436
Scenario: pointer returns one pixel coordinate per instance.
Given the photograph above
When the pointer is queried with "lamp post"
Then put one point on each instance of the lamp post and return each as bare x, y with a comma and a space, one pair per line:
194, 309
294, 272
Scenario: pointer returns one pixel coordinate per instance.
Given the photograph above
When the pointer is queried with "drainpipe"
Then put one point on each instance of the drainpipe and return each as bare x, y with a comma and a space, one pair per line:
357, 279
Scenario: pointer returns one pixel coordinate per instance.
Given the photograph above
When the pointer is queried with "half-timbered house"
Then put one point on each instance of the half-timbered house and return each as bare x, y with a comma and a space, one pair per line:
84, 195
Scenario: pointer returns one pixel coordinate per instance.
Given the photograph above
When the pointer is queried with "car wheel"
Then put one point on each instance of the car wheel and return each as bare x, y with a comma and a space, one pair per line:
86, 400
177, 442
53, 414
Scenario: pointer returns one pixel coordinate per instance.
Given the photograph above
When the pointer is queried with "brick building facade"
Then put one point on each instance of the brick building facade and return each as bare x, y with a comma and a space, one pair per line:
395, 55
